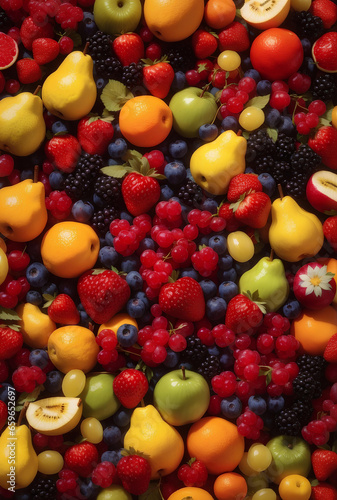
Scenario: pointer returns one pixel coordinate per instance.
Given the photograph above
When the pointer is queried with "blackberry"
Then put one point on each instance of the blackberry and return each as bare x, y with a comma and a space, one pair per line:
110, 68
287, 422
303, 163
195, 351
285, 147
263, 164
324, 87
132, 75
5, 22
209, 367
79, 184
102, 219
43, 489
307, 25
108, 189
304, 386
259, 144
190, 194
281, 171
313, 365
303, 410
180, 55
100, 49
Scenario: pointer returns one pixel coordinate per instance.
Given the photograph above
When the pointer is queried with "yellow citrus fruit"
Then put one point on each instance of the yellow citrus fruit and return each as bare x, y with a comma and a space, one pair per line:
3, 266
334, 117
117, 321
190, 492
219, 13
145, 120
36, 327
3, 245
73, 347
173, 20
68, 249
295, 487
313, 329
230, 486
216, 442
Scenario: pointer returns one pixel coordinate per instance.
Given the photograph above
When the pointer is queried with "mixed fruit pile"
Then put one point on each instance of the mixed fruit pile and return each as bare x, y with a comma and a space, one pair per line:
168, 222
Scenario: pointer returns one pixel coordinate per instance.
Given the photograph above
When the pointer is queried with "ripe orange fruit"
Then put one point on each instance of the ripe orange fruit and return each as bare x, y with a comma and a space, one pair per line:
116, 321
276, 53
190, 492
230, 486
145, 120
219, 13
313, 329
68, 249
217, 443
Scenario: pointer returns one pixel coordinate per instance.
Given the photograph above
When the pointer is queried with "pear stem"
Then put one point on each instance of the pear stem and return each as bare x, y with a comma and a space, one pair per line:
86, 48
239, 132
23, 413
36, 173
142, 404
279, 187
183, 370
271, 256
36, 90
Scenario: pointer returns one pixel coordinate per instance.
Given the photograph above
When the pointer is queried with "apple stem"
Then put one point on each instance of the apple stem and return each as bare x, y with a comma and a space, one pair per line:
183, 370
22, 413
36, 173
36, 90
86, 48
206, 87
142, 403
279, 187
271, 256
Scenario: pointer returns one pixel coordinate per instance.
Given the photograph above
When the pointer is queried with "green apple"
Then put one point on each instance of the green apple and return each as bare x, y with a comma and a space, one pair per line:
117, 16
114, 492
291, 455
99, 400
181, 397
191, 108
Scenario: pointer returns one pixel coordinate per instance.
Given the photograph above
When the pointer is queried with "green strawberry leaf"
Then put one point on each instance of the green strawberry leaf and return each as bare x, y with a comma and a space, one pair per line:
93, 119
131, 154
260, 101
324, 122
328, 112
152, 493
98, 271
174, 276
114, 95
117, 171
26, 397
9, 314
273, 133
76, 37
49, 299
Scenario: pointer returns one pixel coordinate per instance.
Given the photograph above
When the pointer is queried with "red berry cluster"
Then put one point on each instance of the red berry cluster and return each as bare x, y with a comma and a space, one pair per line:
59, 204
108, 341
205, 261
25, 378
13, 290
104, 474
307, 121
194, 473
317, 431
127, 236
234, 97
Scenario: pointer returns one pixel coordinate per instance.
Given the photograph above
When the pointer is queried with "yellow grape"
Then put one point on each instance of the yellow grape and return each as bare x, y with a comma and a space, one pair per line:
299, 5
265, 494
259, 457
240, 246
73, 383
244, 467
251, 118
92, 430
3, 266
256, 483
50, 462
229, 60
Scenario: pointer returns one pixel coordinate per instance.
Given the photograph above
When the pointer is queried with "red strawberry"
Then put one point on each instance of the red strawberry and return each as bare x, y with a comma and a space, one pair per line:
325, 145
81, 458
183, 299
243, 184
330, 351
63, 151
29, 31
324, 52
103, 293
94, 135
45, 50
63, 310
234, 37
226, 212
326, 10
140, 193
28, 71
3, 414
10, 342
158, 77
253, 210
130, 386
330, 231
243, 315
204, 43
204, 67
324, 463
194, 473
135, 473
129, 48
323, 491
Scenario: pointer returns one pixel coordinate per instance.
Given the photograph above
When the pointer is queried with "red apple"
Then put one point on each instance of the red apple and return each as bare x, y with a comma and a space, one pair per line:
321, 191
314, 287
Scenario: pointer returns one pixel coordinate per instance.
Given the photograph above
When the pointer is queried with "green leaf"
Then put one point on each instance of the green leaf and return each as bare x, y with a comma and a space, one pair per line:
131, 154
115, 94
98, 271
268, 378
273, 133
330, 212
93, 119
76, 37
258, 102
324, 121
245, 134
49, 299
328, 113
117, 171
152, 493
26, 397
9, 314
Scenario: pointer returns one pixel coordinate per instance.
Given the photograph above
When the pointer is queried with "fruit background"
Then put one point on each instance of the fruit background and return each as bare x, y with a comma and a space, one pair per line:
168, 223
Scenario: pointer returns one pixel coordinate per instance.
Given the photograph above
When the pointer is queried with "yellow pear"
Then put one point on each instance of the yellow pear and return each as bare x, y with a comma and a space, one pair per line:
159, 441
22, 126
36, 327
23, 213
70, 91
214, 164
18, 460
294, 233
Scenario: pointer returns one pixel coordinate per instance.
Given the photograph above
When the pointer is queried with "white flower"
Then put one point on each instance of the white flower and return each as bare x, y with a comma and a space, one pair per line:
316, 280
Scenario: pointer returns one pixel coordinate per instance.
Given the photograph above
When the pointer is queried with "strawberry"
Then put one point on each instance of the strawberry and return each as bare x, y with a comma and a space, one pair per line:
29, 31
45, 50
204, 67
130, 386
324, 463
323, 491
194, 473
10, 342
226, 212
94, 135
140, 193
326, 10
243, 184
103, 293
135, 473
63, 151
243, 315
324, 52
129, 48
28, 71
234, 37
253, 210
204, 43
158, 77
183, 299
330, 231
325, 145
3, 414
81, 458
63, 310
330, 351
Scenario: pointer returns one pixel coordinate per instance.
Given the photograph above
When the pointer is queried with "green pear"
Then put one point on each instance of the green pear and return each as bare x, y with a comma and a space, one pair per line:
268, 279
99, 400
22, 127
70, 91
18, 460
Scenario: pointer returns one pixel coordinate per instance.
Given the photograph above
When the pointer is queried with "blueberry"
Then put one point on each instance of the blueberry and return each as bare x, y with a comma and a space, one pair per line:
172, 359
209, 288
146, 244
178, 148
97, 201
286, 126
225, 262
112, 436
252, 73
208, 132
210, 205
59, 128
257, 404
39, 357
84, 319
246, 63
100, 84
191, 273
175, 172
127, 334
108, 257
50, 289
309, 65
34, 249
53, 381
112, 456
242, 267
126, 216
213, 350
56, 180
26, 174
214, 90
131, 263
292, 309
69, 287
5, 390
134, 280
122, 417
87, 27
263, 87
231, 407
179, 80
306, 44
22, 495
34, 297
230, 123
228, 275
218, 243
88, 489
117, 131
204, 240
117, 148
166, 192
227, 360
109, 239
135, 308
216, 308
82, 211
228, 290
268, 183
275, 404
37, 274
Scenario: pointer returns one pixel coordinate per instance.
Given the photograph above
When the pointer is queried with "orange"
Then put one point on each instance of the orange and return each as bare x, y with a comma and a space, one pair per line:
313, 329
219, 13
334, 117
276, 53
69, 249
230, 486
190, 492
73, 347
116, 321
145, 120
217, 443
3, 245
331, 265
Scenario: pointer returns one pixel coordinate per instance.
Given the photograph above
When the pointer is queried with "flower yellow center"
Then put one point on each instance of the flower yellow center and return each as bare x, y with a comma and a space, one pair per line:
315, 281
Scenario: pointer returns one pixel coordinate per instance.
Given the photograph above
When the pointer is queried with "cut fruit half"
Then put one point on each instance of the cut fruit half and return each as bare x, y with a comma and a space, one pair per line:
321, 191
9, 51
54, 416
265, 14
324, 52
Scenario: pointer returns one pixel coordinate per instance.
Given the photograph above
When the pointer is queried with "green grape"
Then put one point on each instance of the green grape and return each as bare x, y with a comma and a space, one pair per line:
259, 457
265, 494
244, 467
251, 118
73, 383
300, 5
3, 266
240, 246
92, 430
256, 483
229, 60
50, 462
